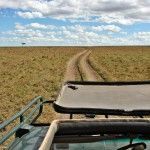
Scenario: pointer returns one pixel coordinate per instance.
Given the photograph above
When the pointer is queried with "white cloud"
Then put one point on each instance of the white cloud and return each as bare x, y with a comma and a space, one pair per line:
34, 25
38, 26
47, 33
142, 36
73, 35
124, 33
116, 18
30, 15
117, 11
112, 28
18, 26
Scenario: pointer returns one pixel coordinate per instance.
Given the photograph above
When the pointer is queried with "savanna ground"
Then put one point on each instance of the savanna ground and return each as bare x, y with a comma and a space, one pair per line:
122, 63
26, 72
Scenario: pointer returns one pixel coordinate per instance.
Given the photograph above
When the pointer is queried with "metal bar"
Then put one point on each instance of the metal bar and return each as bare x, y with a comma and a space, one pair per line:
40, 111
11, 132
106, 116
41, 107
7, 122
34, 110
71, 116
21, 118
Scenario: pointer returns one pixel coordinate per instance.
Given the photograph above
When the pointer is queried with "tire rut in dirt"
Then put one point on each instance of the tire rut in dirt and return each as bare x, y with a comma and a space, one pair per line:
88, 72
72, 67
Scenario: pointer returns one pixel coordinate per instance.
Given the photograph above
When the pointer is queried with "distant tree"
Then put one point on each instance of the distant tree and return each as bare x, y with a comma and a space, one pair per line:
23, 44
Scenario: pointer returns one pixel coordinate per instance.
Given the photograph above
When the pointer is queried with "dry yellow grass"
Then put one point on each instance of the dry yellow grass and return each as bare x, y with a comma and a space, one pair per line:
31, 71
122, 63
28, 72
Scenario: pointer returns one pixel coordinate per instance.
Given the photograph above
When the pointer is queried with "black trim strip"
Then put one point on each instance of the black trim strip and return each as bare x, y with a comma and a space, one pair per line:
107, 83
121, 112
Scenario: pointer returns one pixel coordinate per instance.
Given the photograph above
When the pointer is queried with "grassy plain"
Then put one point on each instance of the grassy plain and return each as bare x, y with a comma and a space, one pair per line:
120, 63
26, 72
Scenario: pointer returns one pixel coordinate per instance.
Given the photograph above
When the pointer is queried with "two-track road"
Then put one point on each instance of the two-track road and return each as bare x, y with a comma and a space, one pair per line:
79, 65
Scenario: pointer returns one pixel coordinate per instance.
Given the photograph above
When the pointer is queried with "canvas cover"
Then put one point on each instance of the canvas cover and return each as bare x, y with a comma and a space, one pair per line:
104, 98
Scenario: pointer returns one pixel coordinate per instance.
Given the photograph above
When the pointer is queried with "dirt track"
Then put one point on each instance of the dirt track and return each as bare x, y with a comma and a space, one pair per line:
87, 70
72, 67
79, 66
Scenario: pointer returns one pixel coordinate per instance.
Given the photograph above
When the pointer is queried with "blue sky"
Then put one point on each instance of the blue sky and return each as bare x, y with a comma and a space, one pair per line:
74, 22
